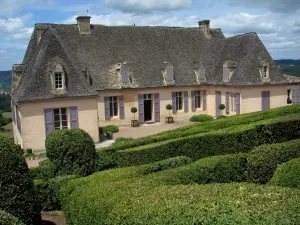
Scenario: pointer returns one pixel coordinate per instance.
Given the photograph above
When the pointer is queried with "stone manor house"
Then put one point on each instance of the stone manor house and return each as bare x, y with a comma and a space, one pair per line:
86, 75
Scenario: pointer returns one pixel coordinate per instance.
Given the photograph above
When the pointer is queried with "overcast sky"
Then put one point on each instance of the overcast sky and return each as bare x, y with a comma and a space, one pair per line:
277, 22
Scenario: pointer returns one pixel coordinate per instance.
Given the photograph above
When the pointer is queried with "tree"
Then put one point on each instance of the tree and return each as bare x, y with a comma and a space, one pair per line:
169, 107
133, 110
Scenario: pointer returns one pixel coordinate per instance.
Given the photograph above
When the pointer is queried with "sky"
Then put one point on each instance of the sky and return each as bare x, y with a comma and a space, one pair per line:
277, 22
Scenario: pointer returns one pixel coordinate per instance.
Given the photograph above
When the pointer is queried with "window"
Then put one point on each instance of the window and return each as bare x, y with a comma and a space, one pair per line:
178, 101
60, 118
113, 101
197, 99
233, 102
58, 80
265, 71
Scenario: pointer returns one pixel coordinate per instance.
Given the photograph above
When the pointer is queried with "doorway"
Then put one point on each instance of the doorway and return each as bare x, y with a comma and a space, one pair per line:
148, 106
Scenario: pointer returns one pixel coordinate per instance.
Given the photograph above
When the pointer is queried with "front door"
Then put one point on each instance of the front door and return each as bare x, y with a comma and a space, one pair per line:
148, 107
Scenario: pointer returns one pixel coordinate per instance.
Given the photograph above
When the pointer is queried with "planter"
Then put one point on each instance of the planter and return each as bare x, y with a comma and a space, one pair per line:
135, 123
169, 119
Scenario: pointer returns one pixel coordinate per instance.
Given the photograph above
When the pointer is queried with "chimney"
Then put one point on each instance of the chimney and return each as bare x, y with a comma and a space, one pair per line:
84, 24
17, 70
204, 25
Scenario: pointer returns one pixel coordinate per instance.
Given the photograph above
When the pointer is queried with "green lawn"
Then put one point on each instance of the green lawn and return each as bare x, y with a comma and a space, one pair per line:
7, 114
7, 130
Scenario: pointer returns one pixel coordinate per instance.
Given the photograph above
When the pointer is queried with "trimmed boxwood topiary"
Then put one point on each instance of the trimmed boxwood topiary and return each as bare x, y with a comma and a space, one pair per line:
201, 118
287, 175
17, 192
72, 151
45, 170
111, 128
8, 219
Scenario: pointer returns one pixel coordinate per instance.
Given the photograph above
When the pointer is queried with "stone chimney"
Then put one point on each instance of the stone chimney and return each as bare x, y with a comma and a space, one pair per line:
17, 70
84, 24
204, 26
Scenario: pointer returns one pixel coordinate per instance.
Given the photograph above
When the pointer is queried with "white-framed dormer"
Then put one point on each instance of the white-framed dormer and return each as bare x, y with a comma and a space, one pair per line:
200, 72
264, 71
58, 79
168, 74
228, 70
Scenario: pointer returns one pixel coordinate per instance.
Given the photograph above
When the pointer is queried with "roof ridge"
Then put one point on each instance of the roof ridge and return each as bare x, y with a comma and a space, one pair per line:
245, 34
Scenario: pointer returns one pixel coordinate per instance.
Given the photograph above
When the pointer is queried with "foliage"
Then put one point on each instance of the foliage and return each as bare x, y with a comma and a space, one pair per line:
289, 101
210, 126
111, 128
221, 106
201, 118
4, 120
48, 191
122, 140
8, 219
165, 164
222, 117
133, 109
5, 102
72, 151
236, 139
263, 160
45, 170
287, 175
17, 193
169, 107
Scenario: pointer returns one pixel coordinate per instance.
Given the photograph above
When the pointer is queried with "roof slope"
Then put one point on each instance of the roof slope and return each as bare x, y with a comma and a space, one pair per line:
144, 49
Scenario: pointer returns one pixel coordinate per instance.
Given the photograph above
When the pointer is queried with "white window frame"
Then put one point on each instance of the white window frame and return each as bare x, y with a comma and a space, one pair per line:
265, 71
61, 126
233, 102
179, 99
112, 101
198, 99
59, 80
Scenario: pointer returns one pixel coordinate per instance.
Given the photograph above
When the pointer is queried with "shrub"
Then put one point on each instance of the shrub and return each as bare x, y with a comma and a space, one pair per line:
226, 141
49, 191
287, 175
201, 118
8, 219
111, 128
29, 151
221, 106
164, 165
263, 160
222, 117
122, 140
210, 126
133, 110
72, 151
17, 193
45, 170
169, 107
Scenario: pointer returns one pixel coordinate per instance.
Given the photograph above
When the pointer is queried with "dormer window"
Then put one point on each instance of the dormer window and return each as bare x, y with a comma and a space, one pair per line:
58, 80
200, 72
228, 70
264, 71
168, 74
125, 73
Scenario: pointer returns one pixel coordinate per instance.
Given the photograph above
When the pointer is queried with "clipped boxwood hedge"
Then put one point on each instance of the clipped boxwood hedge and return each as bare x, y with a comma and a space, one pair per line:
45, 170
226, 141
210, 126
263, 160
111, 128
164, 165
287, 175
201, 118
8, 219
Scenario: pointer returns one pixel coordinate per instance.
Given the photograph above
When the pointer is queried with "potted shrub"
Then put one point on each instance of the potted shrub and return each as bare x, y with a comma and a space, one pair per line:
134, 122
221, 107
169, 119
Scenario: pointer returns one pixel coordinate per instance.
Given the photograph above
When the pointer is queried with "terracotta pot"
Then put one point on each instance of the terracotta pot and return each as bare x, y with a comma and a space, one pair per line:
135, 123
169, 119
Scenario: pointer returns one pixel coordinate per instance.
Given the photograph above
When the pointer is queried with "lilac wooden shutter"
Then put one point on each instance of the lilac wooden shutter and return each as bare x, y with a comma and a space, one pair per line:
174, 102
225, 74
265, 100
49, 126
141, 109
238, 103
170, 74
294, 96
125, 73
218, 102
298, 96
193, 100
227, 103
107, 107
204, 100
74, 117
186, 101
157, 107
121, 105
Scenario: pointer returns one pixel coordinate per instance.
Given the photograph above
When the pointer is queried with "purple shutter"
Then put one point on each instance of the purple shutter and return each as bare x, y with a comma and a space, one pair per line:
204, 100
193, 100
125, 73
107, 107
218, 102
225, 74
174, 102
141, 109
294, 96
49, 126
186, 101
74, 117
265, 100
298, 96
238, 103
121, 105
170, 74
157, 107
227, 103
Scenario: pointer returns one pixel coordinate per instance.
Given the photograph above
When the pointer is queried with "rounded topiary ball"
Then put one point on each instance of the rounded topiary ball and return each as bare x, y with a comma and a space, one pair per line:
133, 109
221, 106
17, 192
72, 151
169, 107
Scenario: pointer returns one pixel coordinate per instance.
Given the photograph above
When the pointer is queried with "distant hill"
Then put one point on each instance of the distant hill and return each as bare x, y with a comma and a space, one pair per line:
289, 66
5, 78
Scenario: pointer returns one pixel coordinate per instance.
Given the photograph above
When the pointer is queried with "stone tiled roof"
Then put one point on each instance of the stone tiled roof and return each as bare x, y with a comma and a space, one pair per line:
292, 79
145, 50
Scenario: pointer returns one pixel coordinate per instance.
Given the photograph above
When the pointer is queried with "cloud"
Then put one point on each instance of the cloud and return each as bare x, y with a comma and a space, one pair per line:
148, 5
14, 24
274, 5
